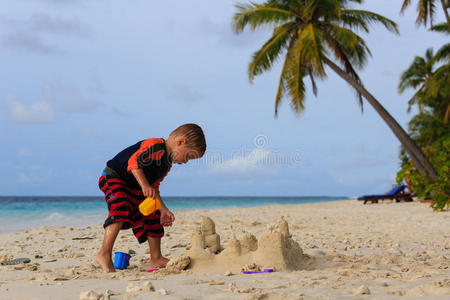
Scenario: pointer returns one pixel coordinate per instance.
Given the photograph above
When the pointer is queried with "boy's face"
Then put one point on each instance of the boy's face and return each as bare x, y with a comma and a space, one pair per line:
182, 153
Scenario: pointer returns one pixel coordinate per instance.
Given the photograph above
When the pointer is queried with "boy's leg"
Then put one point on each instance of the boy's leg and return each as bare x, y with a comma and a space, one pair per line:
103, 258
156, 258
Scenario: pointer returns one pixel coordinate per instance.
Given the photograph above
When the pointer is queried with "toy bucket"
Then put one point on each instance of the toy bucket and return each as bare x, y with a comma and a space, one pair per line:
121, 260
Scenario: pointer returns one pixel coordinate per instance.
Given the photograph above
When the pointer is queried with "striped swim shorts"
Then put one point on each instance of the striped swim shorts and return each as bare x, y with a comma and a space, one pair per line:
123, 205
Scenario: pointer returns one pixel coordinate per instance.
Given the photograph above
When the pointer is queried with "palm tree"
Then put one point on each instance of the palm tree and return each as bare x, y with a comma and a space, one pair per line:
440, 83
309, 32
433, 85
426, 10
418, 75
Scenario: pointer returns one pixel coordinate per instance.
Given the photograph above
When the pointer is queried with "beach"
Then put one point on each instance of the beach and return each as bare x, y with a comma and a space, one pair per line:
347, 250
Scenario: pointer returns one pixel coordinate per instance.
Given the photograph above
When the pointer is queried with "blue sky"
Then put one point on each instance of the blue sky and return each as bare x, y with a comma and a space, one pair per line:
83, 79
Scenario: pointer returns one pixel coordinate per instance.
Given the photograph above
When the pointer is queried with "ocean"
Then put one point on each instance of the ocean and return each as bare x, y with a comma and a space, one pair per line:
19, 213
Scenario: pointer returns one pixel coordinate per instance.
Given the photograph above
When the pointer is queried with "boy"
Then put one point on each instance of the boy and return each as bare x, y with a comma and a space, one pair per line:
134, 174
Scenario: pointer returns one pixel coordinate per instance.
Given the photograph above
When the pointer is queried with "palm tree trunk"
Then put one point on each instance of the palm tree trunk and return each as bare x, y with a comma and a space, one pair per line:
444, 7
420, 160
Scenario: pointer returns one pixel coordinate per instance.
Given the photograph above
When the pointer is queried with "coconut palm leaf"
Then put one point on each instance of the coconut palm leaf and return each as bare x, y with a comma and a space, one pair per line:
426, 10
416, 77
282, 85
442, 27
443, 54
295, 72
362, 19
255, 15
264, 58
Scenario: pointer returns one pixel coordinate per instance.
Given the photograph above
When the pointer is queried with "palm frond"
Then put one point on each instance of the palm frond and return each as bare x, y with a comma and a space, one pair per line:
426, 9
441, 27
255, 15
415, 75
416, 99
327, 9
313, 82
311, 48
447, 115
295, 73
405, 5
348, 47
443, 54
361, 19
264, 58
282, 85
439, 83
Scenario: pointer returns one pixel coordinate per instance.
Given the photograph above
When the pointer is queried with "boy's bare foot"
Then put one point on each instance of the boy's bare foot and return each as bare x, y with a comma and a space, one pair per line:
105, 261
160, 262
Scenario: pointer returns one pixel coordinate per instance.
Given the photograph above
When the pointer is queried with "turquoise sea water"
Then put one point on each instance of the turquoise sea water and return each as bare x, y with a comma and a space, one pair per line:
27, 212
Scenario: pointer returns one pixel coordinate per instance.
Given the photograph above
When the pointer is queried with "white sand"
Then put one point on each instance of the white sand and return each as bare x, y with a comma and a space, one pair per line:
391, 250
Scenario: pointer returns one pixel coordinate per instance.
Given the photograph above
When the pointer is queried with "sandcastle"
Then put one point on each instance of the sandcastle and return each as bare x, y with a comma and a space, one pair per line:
275, 250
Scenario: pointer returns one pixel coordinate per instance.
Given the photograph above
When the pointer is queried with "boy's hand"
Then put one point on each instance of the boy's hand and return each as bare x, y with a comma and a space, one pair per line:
149, 191
167, 217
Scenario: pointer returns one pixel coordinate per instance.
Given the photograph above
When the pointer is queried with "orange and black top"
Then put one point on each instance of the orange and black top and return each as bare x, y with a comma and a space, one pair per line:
149, 155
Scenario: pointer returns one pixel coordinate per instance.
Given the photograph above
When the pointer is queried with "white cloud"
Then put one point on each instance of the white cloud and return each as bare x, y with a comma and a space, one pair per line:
23, 152
40, 112
23, 178
183, 92
63, 2
41, 22
27, 173
28, 42
69, 98
223, 32
26, 35
92, 133
251, 163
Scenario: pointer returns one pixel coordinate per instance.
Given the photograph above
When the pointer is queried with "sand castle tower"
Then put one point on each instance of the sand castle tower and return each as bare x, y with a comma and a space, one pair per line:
284, 252
233, 247
197, 250
283, 226
211, 238
249, 242
197, 240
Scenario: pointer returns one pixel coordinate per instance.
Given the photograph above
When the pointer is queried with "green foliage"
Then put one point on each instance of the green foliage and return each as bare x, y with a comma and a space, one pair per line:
441, 27
438, 191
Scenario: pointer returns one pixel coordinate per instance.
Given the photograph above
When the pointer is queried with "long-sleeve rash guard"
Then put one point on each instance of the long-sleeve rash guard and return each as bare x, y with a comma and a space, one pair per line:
149, 155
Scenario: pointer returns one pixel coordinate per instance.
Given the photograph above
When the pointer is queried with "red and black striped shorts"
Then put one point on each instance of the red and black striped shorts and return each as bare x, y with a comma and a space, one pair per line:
123, 205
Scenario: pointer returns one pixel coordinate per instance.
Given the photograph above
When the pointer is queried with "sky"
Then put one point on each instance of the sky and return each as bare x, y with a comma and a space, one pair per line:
83, 79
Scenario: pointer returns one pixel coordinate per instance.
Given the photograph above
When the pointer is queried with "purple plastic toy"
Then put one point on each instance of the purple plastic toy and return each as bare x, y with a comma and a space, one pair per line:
255, 272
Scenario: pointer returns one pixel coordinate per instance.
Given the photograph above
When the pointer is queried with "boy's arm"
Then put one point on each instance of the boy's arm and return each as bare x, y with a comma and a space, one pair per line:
167, 217
147, 189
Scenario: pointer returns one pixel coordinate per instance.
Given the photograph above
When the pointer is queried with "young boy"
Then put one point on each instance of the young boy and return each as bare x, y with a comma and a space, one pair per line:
134, 174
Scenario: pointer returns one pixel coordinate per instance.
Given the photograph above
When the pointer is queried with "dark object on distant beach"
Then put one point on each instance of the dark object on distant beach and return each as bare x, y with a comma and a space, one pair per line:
428, 200
397, 193
82, 238
15, 261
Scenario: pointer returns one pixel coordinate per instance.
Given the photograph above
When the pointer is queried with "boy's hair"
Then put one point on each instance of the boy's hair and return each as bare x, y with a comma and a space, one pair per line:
194, 136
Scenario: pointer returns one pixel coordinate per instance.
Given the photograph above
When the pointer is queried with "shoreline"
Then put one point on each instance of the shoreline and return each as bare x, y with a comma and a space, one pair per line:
185, 210
390, 249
